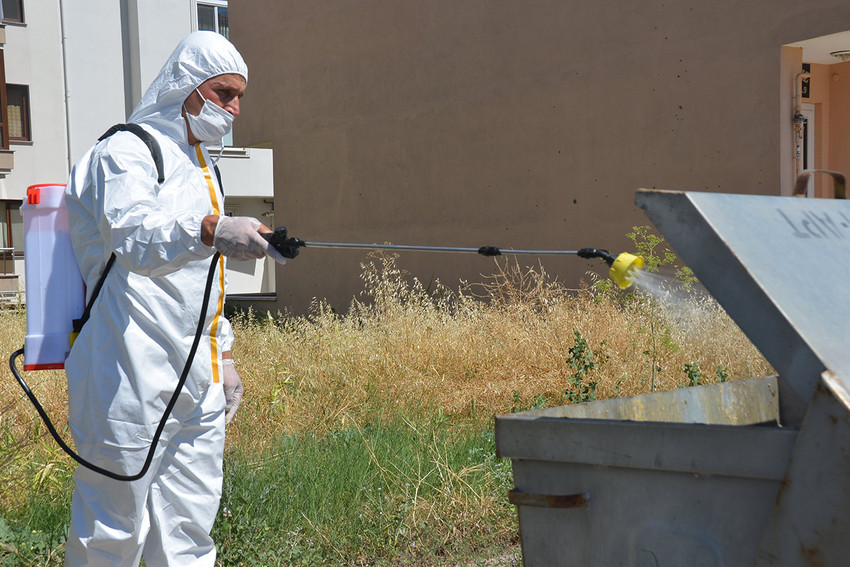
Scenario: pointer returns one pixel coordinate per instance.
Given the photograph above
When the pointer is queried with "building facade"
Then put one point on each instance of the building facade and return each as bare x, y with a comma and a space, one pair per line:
526, 125
73, 69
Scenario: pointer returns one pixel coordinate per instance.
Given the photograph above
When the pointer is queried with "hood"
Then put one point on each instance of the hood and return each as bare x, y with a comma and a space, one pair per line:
198, 57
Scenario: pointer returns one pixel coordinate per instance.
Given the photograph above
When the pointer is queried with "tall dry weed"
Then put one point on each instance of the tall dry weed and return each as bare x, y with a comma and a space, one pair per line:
402, 348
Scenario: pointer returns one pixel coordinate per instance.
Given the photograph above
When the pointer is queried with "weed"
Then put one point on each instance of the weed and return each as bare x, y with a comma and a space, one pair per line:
518, 404
692, 372
582, 361
656, 254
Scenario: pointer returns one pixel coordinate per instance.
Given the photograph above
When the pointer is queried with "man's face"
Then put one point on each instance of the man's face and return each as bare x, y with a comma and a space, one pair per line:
223, 90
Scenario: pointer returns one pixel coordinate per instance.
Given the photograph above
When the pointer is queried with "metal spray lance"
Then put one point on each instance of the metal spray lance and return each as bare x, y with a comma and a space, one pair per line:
624, 267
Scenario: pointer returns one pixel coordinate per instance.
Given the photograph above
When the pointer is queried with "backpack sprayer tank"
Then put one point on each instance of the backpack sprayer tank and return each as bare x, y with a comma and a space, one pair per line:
54, 285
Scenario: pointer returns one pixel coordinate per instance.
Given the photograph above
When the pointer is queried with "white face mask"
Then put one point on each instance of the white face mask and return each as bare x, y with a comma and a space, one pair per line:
212, 123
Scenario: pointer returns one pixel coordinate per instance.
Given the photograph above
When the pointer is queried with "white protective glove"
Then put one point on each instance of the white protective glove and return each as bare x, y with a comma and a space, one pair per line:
232, 389
237, 238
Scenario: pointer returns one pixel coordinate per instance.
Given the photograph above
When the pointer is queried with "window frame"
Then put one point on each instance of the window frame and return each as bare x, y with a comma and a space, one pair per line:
9, 205
4, 113
5, 257
7, 20
7, 229
215, 5
26, 121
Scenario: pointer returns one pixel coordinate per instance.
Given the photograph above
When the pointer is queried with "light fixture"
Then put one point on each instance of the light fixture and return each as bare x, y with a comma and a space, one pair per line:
843, 54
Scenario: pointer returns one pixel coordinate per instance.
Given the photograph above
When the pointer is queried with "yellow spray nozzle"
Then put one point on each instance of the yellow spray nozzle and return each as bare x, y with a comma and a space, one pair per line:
624, 268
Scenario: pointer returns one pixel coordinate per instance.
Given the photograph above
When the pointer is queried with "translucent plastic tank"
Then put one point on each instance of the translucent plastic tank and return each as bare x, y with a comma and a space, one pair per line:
54, 286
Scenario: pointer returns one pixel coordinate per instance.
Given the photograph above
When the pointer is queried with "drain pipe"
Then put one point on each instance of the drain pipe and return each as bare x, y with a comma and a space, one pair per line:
798, 119
65, 84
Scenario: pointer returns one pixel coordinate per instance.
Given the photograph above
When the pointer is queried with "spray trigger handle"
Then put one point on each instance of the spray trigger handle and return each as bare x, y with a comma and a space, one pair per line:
287, 246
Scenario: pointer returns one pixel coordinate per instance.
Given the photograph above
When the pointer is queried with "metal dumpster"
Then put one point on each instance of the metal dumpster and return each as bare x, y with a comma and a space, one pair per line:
752, 472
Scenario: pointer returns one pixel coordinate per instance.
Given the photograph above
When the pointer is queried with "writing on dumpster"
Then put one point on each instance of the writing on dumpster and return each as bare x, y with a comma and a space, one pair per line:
817, 224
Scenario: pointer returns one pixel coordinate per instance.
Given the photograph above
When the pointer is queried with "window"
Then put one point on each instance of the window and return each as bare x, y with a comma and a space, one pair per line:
11, 234
18, 112
212, 16
13, 11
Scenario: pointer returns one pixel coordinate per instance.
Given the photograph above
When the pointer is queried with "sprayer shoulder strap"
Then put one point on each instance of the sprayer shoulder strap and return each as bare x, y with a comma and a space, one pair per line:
156, 154
78, 323
147, 138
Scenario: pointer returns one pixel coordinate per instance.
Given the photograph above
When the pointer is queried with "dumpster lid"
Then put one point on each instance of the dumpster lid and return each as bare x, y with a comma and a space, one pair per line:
777, 265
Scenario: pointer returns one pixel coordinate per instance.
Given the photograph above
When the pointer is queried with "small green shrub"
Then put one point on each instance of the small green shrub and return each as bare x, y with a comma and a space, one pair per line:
656, 253
582, 361
692, 372
518, 404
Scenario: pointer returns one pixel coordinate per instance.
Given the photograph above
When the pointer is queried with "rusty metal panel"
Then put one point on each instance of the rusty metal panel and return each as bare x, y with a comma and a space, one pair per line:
634, 493
638, 517
671, 493
518, 498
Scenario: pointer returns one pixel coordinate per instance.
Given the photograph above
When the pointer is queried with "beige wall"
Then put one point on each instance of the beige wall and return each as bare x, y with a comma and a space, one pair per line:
515, 124
839, 118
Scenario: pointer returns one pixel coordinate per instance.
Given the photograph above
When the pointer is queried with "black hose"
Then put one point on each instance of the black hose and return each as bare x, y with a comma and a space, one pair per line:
166, 414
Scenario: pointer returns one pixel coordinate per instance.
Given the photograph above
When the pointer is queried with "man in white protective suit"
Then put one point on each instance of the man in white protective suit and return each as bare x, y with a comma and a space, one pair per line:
126, 362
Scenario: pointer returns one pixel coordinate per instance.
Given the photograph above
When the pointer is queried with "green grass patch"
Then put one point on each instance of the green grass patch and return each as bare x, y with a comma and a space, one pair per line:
365, 495
377, 494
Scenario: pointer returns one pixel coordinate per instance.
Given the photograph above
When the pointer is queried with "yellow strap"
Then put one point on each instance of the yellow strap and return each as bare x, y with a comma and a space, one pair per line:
216, 211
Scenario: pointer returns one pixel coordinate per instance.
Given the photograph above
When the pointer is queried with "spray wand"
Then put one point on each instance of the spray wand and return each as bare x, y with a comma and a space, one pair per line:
624, 267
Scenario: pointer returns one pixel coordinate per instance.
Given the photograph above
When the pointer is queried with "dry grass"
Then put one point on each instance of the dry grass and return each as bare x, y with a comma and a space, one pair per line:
405, 349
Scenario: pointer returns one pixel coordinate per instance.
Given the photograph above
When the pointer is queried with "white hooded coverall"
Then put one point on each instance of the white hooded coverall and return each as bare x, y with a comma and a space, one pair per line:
126, 362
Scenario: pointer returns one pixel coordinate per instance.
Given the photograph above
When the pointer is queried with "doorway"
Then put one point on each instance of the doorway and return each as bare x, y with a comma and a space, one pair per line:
817, 79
